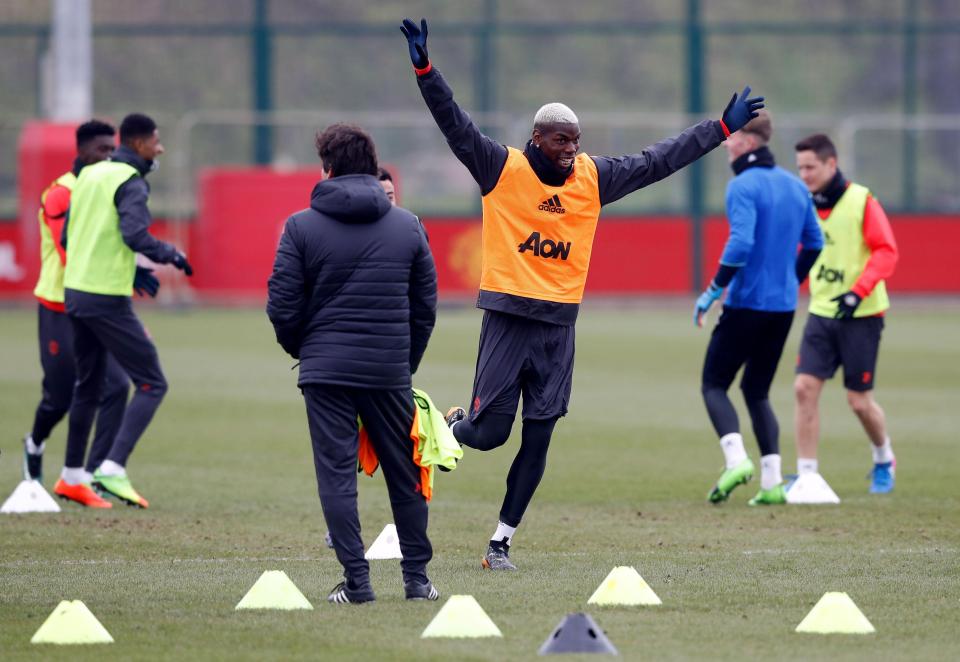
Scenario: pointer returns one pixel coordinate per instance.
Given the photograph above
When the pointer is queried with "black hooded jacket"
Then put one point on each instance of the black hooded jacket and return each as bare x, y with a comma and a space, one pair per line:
353, 293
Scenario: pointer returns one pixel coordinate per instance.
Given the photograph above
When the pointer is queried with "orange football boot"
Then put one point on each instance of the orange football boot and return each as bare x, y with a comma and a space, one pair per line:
82, 494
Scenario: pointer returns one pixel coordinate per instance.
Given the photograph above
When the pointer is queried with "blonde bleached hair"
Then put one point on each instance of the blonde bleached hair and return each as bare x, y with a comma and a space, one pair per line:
555, 113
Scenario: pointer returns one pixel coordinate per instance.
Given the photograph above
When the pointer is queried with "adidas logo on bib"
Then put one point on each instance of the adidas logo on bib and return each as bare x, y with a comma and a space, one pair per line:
552, 205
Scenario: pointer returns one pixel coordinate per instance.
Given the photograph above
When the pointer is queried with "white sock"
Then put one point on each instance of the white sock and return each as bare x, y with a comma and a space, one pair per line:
111, 468
732, 447
75, 476
32, 448
807, 466
882, 454
770, 471
504, 533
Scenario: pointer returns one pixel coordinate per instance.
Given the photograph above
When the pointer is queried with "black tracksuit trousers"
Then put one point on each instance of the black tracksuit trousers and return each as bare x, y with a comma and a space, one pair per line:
120, 333
387, 416
55, 335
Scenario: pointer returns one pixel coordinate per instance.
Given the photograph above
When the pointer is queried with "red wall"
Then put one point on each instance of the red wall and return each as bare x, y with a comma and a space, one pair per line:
241, 212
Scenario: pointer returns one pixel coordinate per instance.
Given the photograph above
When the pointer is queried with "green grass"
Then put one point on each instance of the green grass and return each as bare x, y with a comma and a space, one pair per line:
227, 468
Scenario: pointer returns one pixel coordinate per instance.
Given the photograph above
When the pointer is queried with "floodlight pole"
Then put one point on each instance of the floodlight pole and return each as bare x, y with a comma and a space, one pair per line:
909, 182
262, 73
70, 92
696, 181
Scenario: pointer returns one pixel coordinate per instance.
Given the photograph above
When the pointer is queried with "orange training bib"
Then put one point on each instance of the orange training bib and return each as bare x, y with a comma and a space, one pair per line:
537, 239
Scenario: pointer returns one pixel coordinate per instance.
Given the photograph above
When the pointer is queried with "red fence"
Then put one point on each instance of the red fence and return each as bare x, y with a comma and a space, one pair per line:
241, 212
631, 256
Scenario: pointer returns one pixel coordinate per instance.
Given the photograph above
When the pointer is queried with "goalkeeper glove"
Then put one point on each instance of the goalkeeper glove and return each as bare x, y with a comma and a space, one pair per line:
704, 301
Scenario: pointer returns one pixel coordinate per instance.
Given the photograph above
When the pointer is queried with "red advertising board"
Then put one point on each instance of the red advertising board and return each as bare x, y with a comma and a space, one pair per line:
241, 211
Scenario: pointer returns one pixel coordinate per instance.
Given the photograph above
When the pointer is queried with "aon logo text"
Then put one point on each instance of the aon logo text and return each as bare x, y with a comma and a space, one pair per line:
546, 248
830, 275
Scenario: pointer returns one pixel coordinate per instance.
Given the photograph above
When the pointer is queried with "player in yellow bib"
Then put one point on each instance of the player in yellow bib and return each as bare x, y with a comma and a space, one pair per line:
848, 302
107, 226
95, 143
541, 205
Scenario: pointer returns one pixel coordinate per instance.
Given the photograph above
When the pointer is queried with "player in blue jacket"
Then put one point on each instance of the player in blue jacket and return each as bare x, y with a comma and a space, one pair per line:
770, 212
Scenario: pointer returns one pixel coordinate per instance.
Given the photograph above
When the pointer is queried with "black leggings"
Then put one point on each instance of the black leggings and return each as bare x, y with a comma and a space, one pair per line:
491, 431
724, 418
752, 340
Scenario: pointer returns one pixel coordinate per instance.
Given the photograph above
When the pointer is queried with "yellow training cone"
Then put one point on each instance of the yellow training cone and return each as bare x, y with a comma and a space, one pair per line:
274, 590
71, 623
461, 616
835, 613
624, 586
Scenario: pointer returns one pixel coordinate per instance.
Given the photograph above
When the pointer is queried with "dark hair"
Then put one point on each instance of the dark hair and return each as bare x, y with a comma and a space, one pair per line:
383, 175
346, 149
760, 126
818, 143
136, 125
90, 130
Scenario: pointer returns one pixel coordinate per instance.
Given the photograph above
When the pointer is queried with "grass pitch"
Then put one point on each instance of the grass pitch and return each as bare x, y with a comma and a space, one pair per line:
226, 466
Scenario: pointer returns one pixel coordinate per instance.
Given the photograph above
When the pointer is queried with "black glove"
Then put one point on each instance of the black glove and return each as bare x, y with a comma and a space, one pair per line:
145, 283
180, 262
416, 42
742, 110
846, 305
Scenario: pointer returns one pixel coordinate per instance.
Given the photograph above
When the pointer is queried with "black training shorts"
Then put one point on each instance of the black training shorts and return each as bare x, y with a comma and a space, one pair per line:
521, 355
854, 343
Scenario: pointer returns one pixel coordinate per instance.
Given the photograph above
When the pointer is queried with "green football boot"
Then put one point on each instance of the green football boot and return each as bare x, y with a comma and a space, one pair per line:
120, 487
775, 496
729, 479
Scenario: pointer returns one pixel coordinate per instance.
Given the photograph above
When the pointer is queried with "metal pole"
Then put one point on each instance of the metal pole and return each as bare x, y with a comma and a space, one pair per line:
909, 181
486, 65
262, 72
486, 62
696, 178
72, 68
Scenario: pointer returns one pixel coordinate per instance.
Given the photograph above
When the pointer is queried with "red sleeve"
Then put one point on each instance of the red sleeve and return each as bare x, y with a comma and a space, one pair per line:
878, 235
55, 205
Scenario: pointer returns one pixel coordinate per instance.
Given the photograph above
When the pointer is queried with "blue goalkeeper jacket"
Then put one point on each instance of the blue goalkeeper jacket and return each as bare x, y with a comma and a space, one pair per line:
770, 214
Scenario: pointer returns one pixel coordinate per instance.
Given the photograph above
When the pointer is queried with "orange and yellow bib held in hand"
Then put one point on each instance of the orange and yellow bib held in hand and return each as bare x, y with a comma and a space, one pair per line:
537, 238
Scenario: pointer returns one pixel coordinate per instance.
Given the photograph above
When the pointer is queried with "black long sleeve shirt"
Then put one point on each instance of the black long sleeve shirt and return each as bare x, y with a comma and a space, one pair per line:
617, 176
135, 219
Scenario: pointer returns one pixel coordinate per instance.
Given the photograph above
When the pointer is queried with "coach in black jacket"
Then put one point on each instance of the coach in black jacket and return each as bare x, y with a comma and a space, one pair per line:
353, 296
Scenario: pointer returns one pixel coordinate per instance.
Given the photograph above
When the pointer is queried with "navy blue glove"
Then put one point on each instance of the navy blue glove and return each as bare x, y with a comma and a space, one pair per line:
704, 301
180, 262
846, 305
416, 42
740, 111
145, 283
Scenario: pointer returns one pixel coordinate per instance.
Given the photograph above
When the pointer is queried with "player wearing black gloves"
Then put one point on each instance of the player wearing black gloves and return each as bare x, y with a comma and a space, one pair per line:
107, 225
541, 205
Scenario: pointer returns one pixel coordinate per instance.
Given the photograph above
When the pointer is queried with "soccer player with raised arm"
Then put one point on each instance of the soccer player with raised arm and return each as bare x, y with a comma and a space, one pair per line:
541, 205
770, 213
848, 301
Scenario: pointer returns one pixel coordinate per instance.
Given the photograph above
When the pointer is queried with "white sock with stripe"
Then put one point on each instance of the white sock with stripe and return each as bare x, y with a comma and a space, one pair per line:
504, 533
770, 475
733, 451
